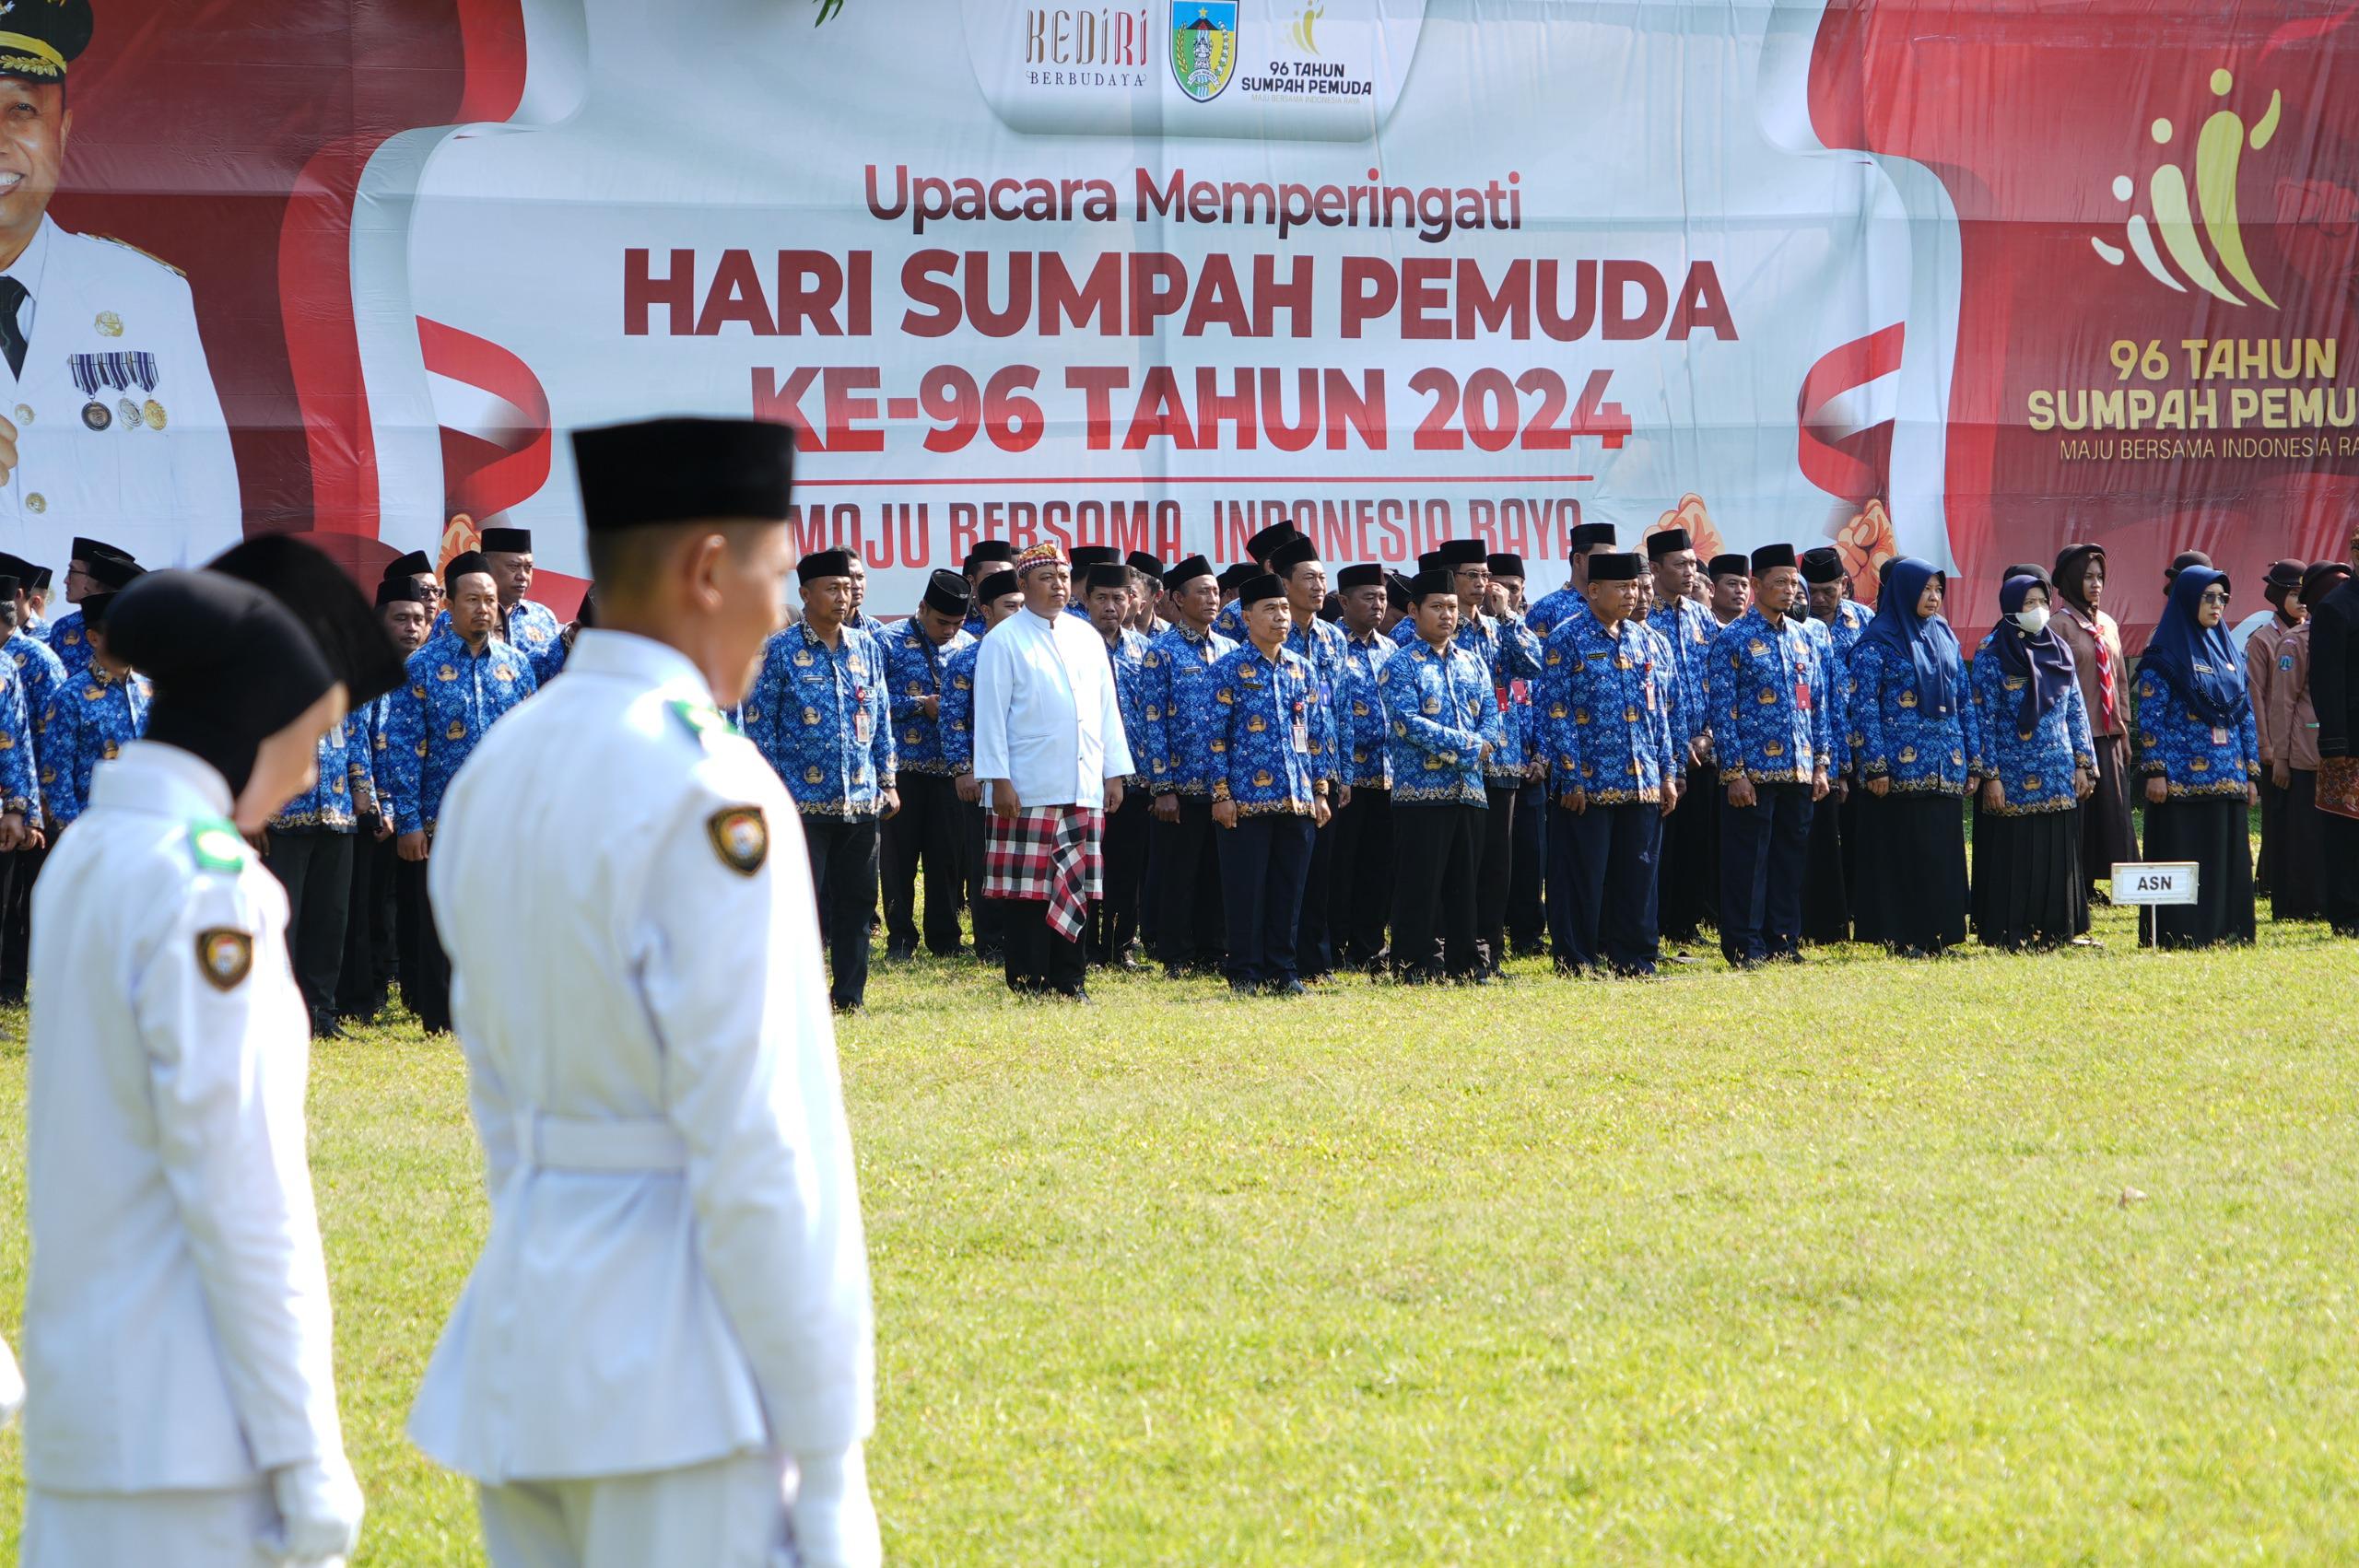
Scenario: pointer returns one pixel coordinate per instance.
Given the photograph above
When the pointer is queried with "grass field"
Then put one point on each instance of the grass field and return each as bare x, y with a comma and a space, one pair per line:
1995, 1259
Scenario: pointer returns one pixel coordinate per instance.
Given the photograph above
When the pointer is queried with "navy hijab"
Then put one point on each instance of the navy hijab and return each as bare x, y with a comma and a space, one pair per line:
2043, 663
2199, 664
1929, 645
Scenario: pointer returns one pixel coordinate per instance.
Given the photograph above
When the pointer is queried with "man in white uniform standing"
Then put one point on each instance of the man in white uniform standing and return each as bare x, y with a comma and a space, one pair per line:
181, 1404
1050, 752
664, 1355
108, 422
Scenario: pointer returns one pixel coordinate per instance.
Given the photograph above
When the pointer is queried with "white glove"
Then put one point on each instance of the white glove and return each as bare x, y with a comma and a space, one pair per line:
12, 1386
834, 1522
319, 1511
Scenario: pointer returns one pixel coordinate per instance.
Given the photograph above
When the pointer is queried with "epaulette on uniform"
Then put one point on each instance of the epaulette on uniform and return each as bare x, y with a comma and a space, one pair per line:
215, 844
135, 251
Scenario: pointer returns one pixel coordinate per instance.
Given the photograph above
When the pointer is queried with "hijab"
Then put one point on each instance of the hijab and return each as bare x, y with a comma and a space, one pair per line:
2199, 664
1928, 644
2071, 568
2043, 663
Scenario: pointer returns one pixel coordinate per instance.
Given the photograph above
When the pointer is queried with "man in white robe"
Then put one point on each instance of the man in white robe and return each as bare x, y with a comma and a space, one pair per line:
1050, 751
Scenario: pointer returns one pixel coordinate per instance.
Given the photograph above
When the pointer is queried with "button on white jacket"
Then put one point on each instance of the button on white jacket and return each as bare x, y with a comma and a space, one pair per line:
676, 1269
176, 1323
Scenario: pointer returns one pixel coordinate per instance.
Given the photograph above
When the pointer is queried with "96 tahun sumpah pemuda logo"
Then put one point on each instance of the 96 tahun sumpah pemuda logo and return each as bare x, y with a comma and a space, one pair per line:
1204, 46
2220, 147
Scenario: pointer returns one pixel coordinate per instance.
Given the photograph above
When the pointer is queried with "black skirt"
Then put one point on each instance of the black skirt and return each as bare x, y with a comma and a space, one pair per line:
1912, 870
2108, 832
1826, 887
2216, 834
2299, 891
2027, 887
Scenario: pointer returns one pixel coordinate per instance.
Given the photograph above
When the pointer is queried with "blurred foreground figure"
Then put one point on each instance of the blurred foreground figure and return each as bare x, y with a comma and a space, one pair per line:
177, 1337
665, 1353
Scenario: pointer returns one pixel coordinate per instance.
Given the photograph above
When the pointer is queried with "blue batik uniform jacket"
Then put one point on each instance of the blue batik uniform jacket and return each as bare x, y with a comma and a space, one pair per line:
1551, 610
2034, 767
1440, 710
2195, 759
1850, 623
914, 663
958, 708
537, 633
1230, 622
19, 754
97, 716
1838, 684
1361, 756
1605, 725
1504, 644
1900, 737
346, 784
819, 715
1689, 630
1322, 645
43, 676
70, 642
1265, 714
1126, 655
434, 723
1764, 696
1177, 670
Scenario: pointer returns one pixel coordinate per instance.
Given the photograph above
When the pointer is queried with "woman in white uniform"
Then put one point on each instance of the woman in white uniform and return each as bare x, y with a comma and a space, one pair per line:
181, 1400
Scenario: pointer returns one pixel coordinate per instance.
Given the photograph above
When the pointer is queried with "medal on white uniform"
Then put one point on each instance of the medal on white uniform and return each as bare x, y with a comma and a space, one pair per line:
116, 368
85, 371
143, 371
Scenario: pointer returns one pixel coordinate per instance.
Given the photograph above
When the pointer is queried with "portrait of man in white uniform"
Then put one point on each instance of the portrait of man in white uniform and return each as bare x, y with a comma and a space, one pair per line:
109, 423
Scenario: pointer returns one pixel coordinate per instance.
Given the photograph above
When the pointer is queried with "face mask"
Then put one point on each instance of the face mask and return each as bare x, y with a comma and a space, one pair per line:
2033, 621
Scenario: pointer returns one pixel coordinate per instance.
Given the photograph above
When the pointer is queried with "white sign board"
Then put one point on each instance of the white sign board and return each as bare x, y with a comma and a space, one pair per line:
2154, 881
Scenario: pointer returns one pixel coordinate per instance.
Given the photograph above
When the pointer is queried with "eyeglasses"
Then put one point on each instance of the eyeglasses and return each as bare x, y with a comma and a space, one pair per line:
2213, 596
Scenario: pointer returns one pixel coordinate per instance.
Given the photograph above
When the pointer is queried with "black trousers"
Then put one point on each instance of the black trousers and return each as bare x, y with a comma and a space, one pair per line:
2272, 836
1192, 907
369, 943
1314, 936
1265, 861
1114, 919
1602, 886
1437, 849
1687, 895
925, 829
19, 872
1039, 959
1494, 874
843, 873
315, 864
1527, 867
1826, 887
989, 914
1359, 884
2339, 871
425, 967
1764, 853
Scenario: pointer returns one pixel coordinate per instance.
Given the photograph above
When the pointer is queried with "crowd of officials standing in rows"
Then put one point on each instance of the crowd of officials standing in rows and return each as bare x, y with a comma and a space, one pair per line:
1287, 771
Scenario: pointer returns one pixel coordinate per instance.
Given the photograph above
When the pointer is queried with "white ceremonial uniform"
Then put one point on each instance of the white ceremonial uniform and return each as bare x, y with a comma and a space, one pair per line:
12, 1385
163, 487
177, 1335
1047, 717
673, 1295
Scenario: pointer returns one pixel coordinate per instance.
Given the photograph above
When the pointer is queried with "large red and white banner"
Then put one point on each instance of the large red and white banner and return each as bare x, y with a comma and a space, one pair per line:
1964, 282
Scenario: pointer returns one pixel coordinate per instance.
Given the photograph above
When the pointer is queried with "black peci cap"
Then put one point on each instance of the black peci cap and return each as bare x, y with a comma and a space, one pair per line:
1108, 575
417, 563
467, 563
1360, 576
997, 585
683, 470
1668, 542
1185, 572
1256, 589
1620, 566
821, 563
1261, 546
1821, 565
1503, 565
1292, 553
1769, 557
1731, 566
945, 593
507, 540
1458, 553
